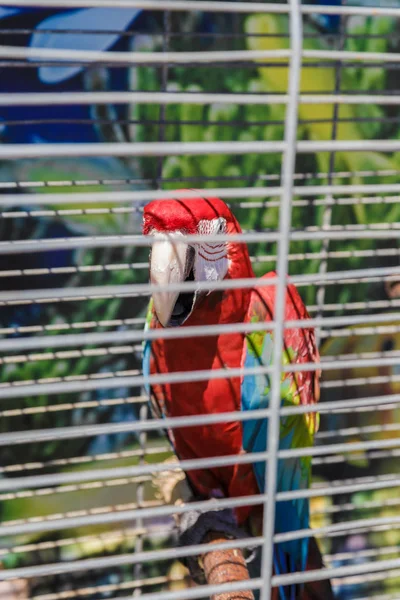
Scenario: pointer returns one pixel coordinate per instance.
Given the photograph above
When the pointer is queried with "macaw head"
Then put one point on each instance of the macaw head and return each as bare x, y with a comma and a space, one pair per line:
173, 261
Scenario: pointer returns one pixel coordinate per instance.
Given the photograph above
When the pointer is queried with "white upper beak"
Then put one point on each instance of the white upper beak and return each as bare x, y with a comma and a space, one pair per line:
167, 266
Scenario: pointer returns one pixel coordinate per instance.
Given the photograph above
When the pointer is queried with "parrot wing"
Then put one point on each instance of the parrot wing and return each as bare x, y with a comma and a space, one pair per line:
146, 366
296, 431
146, 348
156, 408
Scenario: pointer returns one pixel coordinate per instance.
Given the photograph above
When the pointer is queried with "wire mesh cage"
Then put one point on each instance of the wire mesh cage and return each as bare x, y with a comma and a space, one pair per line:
289, 113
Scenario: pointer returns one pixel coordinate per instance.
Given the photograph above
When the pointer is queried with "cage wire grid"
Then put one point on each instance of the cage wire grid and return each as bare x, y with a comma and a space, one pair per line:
79, 452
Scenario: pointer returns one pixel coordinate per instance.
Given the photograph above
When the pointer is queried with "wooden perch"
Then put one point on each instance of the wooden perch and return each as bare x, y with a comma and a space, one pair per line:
16, 589
225, 566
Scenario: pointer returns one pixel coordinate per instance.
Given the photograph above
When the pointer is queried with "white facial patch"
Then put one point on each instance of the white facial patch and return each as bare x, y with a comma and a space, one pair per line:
211, 262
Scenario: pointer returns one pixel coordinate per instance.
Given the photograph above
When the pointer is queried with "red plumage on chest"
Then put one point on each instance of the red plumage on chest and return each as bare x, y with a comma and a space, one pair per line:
205, 397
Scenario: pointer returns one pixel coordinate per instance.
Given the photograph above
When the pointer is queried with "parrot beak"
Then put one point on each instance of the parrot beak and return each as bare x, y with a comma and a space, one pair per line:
170, 263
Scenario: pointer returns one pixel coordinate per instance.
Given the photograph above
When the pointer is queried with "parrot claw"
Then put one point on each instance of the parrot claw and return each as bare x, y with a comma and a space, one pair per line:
194, 527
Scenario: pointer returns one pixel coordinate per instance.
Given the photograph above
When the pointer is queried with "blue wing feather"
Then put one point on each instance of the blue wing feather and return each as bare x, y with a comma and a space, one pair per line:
147, 350
293, 473
146, 365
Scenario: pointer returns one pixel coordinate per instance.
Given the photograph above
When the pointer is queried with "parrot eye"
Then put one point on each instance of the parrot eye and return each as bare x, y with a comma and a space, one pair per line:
221, 226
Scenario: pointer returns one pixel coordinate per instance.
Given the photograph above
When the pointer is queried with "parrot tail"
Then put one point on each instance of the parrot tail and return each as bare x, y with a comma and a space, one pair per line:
316, 590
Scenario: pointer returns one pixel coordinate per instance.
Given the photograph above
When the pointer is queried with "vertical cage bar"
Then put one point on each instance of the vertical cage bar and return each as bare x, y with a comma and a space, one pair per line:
288, 169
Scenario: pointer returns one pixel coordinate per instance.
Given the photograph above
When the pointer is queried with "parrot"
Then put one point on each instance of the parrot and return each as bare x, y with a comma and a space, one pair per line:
173, 262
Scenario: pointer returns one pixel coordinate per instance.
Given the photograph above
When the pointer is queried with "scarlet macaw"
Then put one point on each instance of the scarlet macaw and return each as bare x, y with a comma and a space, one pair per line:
175, 262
